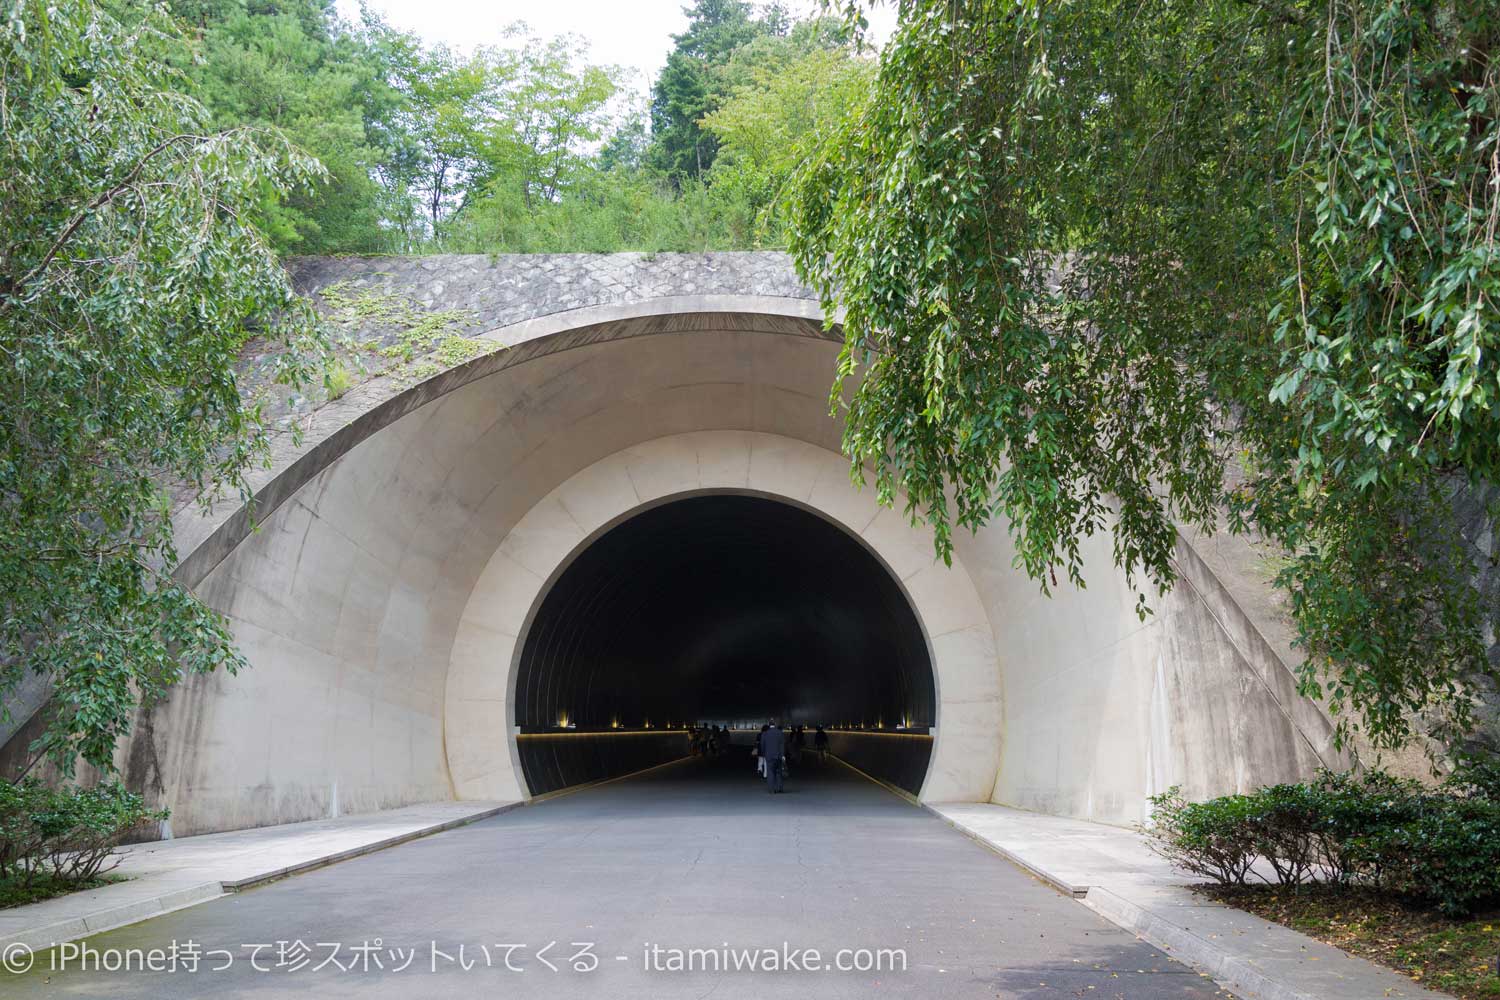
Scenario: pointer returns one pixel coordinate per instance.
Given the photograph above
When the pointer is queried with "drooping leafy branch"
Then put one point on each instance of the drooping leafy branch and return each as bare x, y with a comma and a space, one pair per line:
1119, 266
130, 279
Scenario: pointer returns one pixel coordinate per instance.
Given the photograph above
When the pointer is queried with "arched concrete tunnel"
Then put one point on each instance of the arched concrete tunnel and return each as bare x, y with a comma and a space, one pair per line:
728, 609
637, 507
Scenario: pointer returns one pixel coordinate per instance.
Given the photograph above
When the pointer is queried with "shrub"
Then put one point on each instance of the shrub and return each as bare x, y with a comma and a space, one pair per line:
1448, 856
65, 834
1476, 774
1368, 829
1354, 809
1212, 839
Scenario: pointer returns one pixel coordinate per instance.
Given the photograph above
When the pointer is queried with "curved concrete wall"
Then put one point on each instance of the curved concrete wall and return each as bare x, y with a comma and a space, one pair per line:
404, 544
493, 624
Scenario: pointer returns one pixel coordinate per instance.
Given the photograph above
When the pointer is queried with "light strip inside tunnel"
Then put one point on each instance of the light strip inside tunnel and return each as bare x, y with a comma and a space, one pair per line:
590, 733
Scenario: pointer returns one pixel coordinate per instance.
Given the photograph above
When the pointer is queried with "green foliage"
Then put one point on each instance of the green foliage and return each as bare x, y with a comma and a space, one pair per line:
282, 68
765, 126
405, 331
511, 126
1476, 773
65, 835
451, 98
777, 90
558, 108
1367, 830
326, 85
1450, 855
1095, 257
1210, 839
130, 280
525, 146
338, 379
454, 350
690, 85
606, 211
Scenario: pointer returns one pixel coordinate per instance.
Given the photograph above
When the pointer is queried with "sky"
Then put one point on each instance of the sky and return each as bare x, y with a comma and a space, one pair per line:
632, 33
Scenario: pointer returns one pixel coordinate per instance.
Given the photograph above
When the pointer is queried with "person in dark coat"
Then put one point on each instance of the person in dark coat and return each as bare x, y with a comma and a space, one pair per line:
773, 751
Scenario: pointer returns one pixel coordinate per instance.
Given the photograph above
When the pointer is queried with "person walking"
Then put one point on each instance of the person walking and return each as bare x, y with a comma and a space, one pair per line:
772, 748
820, 744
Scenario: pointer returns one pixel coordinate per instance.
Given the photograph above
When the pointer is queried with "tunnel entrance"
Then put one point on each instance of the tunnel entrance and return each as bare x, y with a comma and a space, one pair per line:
721, 609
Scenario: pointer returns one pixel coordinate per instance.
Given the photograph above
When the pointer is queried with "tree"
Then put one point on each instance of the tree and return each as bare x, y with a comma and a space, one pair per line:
131, 278
563, 170
688, 87
453, 101
1114, 267
556, 110
394, 59
628, 143
796, 88
285, 70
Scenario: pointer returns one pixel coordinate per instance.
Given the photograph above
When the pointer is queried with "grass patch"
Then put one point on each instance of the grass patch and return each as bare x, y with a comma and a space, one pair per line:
409, 342
1457, 956
12, 893
338, 379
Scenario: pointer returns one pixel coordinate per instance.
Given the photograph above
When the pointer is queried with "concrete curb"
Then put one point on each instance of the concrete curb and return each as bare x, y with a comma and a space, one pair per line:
1253, 958
252, 881
111, 918
1060, 884
1240, 976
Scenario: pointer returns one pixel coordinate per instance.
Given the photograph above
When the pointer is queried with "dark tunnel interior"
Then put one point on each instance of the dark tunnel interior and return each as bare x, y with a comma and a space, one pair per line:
721, 609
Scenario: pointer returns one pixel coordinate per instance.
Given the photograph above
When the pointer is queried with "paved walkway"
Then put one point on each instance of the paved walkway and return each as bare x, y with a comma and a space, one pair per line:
690, 856
1120, 877
168, 875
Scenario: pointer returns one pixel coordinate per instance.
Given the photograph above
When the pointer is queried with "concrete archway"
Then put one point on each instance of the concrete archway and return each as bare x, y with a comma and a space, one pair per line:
403, 541
727, 608
481, 678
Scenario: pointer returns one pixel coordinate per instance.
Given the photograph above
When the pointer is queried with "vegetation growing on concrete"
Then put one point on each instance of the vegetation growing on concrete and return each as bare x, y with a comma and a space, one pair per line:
402, 340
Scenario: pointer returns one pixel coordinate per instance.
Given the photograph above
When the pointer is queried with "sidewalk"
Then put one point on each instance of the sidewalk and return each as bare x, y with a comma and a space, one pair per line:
170, 874
1113, 871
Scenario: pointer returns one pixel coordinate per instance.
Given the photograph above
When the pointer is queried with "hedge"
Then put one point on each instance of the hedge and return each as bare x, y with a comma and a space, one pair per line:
1439, 846
65, 834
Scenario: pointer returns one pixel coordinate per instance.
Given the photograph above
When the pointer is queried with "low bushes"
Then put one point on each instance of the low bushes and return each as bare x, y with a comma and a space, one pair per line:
1438, 846
64, 835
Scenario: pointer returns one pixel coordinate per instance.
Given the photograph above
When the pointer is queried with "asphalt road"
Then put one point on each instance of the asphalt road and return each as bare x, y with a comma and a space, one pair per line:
625, 878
